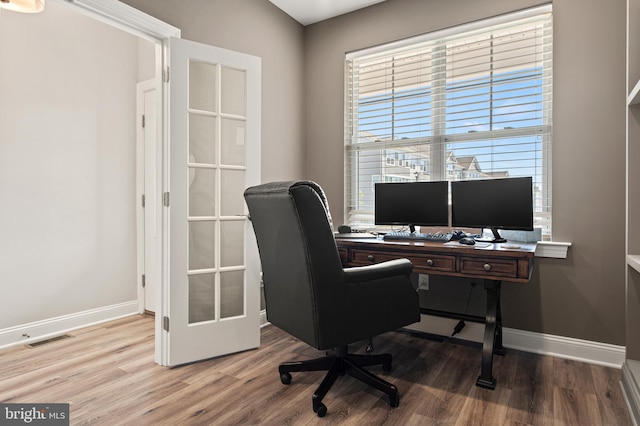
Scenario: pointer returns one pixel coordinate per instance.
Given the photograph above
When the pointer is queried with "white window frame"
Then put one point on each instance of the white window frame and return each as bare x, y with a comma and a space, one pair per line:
437, 163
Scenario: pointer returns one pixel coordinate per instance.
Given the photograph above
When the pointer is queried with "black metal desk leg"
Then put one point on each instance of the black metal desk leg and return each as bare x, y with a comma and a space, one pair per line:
498, 349
492, 335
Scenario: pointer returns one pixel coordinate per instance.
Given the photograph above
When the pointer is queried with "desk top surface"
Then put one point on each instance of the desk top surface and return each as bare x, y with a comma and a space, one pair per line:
510, 248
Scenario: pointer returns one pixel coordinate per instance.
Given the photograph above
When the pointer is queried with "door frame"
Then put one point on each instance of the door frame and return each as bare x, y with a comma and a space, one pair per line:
148, 210
124, 17
145, 26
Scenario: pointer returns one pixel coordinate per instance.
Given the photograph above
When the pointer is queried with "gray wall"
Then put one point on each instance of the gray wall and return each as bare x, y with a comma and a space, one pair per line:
582, 296
67, 165
258, 28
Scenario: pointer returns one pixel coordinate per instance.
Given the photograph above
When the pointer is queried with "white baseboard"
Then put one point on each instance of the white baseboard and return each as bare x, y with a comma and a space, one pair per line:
545, 344
565, 347
52, 327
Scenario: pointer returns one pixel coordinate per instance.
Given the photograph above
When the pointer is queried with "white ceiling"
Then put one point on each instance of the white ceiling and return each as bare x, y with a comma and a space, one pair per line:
309, 11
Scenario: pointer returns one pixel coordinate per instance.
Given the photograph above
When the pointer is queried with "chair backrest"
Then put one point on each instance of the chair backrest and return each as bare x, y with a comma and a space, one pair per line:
301, 268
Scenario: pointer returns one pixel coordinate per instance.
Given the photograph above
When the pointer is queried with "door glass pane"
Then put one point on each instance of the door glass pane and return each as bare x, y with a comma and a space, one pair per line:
231, 294
231, 199
233, 91
202, 192
202, 245
232, 239
233, 142
202, 144
202, 86
202, 297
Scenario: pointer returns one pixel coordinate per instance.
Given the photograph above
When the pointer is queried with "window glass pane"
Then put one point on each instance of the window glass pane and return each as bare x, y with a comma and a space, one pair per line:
232, 239
202, 245
507, 157
232, 201
231, 294
202, 297
202, 86
202, 133
233, 91
201, 192
233, 142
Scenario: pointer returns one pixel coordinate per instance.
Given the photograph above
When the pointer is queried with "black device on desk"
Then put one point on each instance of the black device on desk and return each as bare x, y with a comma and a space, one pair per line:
345, 231
410, 204
458, 235
416, 236
494, 204
467, 240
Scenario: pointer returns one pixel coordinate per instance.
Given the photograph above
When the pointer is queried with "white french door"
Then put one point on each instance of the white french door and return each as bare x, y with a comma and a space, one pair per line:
211, 298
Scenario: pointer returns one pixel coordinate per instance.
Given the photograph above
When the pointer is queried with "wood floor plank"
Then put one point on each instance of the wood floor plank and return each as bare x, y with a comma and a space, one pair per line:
609, 393
531, 399
450, 386
108, 375
571, 407
484, 406
570, 374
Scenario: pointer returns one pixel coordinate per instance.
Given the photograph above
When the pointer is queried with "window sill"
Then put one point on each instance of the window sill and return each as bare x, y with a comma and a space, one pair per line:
634, 261
553, 249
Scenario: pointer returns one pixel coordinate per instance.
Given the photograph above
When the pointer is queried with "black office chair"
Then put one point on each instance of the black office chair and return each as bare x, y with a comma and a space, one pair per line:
310, 296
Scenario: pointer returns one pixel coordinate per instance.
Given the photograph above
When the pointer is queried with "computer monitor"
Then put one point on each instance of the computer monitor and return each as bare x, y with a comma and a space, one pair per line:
412, 203
494, 204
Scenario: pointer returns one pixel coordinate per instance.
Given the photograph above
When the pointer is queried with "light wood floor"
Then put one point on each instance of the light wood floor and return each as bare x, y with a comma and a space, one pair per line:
108, 376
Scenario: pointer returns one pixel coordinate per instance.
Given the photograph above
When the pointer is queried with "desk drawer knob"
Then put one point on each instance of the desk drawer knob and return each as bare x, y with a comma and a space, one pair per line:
487, 267
429, 262
371, 258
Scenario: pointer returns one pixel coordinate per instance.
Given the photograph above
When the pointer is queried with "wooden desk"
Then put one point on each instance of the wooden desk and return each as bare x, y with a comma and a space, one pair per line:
493, 264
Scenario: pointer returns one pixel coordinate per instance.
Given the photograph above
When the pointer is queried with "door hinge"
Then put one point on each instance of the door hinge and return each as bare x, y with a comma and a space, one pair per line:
144, 200
143, 121
165, 199
165, 323
144, 280
165, 74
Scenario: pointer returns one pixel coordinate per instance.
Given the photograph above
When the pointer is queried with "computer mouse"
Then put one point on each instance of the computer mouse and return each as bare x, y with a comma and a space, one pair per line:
468, 241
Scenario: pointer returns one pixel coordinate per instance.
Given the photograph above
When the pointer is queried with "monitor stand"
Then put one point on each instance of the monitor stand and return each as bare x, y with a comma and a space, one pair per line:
496, 238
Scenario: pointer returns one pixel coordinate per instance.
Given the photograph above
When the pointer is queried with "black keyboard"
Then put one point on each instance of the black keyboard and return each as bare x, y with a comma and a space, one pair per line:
408, 236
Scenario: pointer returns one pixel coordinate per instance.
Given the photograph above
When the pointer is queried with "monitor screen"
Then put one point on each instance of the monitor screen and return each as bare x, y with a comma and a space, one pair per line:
493, 203
412, 203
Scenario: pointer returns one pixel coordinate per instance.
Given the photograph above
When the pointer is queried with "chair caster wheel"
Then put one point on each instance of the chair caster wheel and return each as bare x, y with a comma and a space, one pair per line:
321, 410
386, 367
285, 378
394, 400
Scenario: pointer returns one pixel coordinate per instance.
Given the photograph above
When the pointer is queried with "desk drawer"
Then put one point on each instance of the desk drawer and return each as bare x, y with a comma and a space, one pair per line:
489, 267
421, 263
344, 255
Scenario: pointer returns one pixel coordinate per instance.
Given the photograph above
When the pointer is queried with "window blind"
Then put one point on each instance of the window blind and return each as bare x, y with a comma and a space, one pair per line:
473, 102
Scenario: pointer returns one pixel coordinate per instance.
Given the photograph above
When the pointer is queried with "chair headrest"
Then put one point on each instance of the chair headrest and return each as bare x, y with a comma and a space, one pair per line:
287, 186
